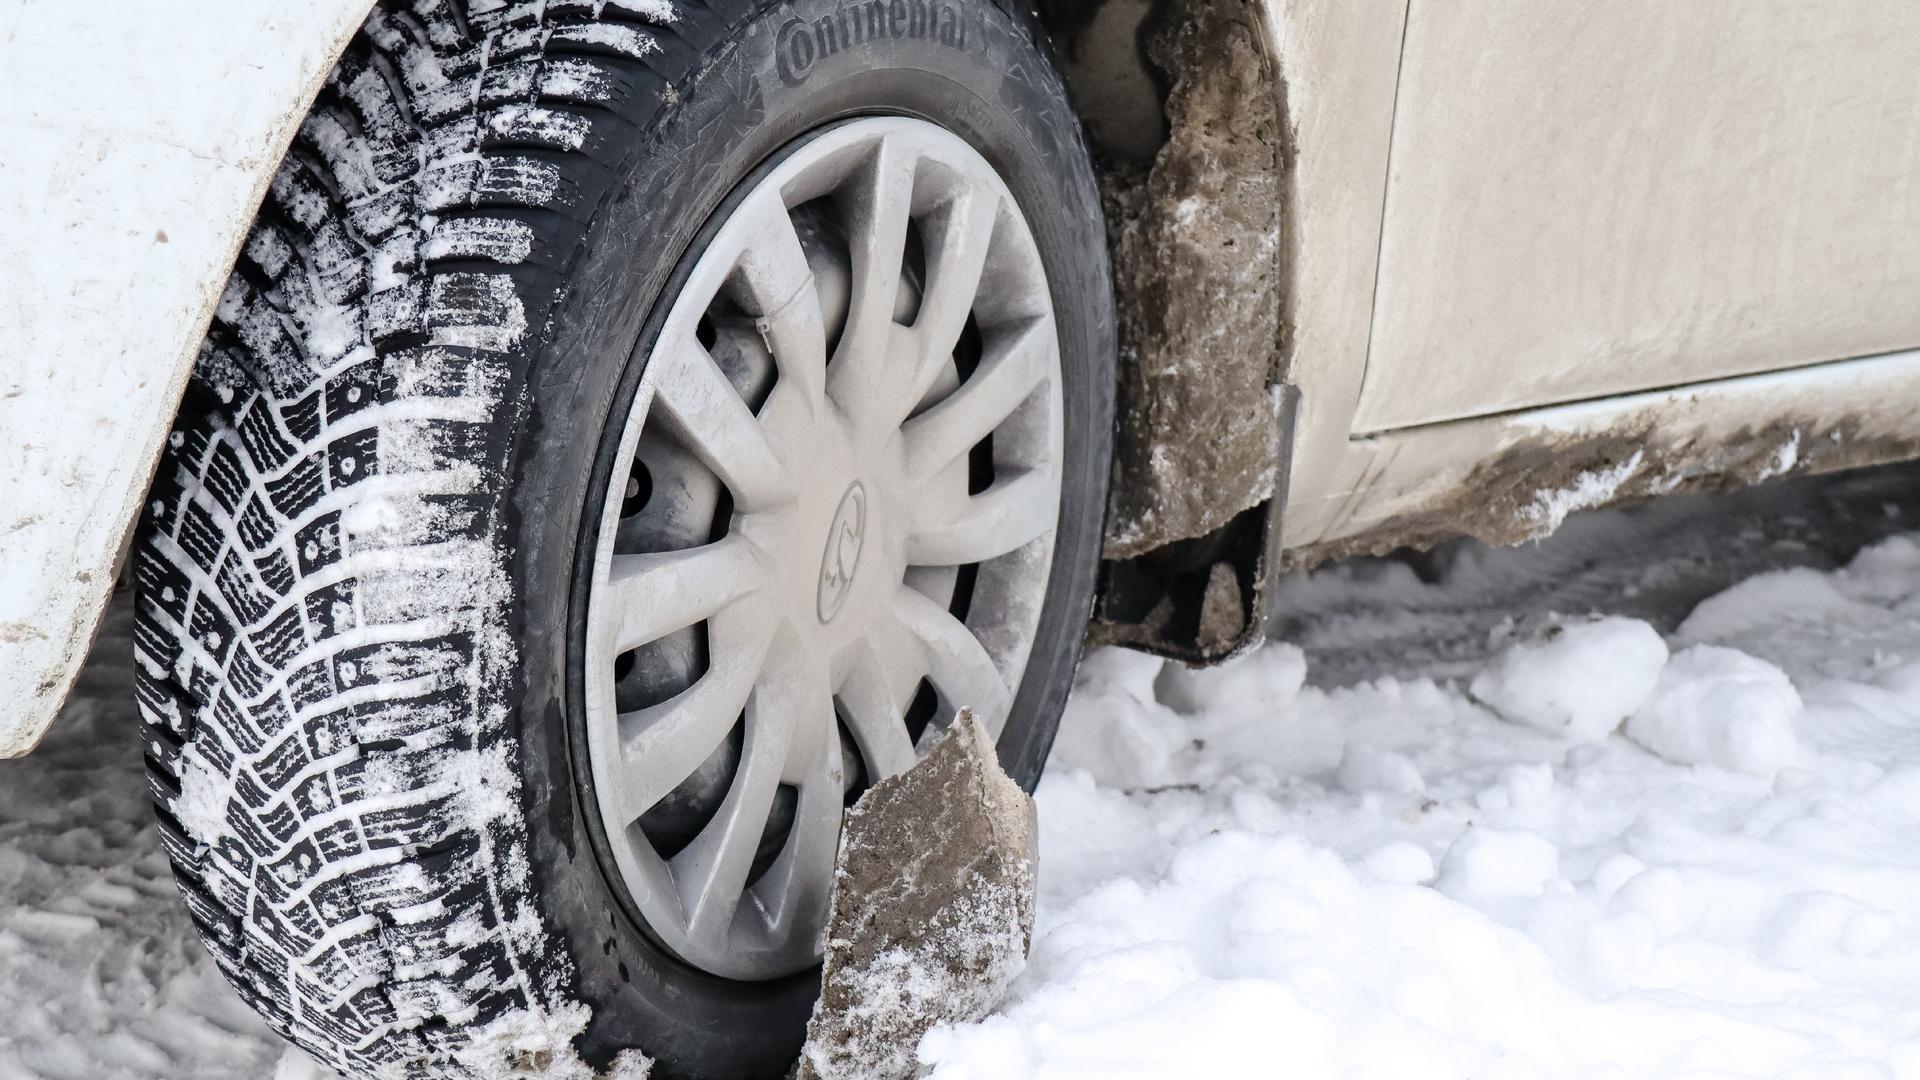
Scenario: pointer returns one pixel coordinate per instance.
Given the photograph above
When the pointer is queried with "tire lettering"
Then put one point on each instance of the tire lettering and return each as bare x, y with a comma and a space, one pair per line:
800, 46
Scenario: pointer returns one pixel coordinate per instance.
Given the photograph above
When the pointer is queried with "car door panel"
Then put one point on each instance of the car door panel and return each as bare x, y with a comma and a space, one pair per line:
1590, 199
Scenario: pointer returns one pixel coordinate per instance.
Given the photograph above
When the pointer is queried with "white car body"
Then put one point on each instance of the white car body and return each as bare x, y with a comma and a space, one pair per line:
1658, 244
126, 190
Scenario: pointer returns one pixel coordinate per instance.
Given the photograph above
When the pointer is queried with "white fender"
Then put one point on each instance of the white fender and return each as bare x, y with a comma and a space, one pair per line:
137, 139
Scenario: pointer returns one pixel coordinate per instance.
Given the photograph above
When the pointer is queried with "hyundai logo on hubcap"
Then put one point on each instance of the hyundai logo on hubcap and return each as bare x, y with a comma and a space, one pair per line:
842, 557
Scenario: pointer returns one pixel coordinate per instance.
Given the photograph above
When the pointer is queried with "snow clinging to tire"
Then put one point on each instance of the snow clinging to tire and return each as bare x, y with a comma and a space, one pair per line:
324, 649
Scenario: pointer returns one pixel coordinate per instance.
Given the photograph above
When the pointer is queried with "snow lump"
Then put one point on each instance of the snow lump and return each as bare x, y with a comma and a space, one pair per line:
1719, 706
1574, 677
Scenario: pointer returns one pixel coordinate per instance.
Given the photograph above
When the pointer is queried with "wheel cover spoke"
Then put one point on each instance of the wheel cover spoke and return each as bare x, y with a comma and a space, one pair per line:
880, 206
962, 230
782, 296
871, 700
662, 745
793, 894
658, 593
1006, 517
957, 664
1008, 376
797, 542
712, 871
705, 410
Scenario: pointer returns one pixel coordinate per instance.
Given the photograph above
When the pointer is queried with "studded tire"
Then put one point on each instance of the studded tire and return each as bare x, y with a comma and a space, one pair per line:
357, 573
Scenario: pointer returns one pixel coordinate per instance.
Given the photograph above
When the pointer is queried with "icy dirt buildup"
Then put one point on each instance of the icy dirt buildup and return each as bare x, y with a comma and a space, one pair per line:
1573, 677
1591, 488
933, 905
1719, 706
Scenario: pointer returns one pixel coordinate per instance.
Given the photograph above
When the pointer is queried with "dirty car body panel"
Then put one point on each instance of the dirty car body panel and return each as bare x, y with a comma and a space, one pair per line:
1647, 193
1530, 259
1546, 255
126, 192
1387, 272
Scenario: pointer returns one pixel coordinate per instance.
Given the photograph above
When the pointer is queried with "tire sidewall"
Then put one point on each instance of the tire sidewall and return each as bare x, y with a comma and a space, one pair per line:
972, 68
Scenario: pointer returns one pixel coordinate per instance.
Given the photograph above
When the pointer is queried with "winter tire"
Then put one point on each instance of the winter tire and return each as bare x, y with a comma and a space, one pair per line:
630, 430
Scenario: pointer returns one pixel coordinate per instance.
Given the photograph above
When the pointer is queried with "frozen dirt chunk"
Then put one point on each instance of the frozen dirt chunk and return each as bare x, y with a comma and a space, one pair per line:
932, 909
1719, 706
1574, 677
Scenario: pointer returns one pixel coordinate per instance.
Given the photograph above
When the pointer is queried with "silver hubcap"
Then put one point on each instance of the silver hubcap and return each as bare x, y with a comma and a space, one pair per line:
833, 514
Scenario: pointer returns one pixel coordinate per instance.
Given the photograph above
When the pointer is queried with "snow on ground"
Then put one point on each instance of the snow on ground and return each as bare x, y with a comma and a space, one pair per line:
101, 975
1589, 853
1443, 831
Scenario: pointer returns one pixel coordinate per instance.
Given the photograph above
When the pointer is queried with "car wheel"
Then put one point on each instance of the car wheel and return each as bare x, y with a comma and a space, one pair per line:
631, 431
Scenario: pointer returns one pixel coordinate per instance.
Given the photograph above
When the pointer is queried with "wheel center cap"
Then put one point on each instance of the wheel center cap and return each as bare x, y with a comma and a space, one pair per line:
845, 539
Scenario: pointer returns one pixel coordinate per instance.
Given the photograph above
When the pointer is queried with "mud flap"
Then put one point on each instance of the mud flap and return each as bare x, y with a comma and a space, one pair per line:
1199, 240
1208, 599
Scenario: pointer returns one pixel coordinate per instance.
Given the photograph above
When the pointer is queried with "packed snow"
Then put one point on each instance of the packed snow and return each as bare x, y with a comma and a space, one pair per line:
1485, 814
1593, 850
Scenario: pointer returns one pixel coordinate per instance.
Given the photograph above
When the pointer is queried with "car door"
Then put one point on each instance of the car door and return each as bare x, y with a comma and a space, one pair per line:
1589, 199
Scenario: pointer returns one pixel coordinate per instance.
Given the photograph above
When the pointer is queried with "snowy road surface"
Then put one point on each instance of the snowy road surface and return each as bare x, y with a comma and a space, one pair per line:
1686, 843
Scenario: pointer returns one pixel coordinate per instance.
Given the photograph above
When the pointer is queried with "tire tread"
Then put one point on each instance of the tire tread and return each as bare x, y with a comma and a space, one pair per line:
348, 886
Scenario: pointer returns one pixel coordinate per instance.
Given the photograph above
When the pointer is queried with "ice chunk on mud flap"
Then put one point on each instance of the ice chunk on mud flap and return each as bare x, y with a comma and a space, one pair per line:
932, 909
